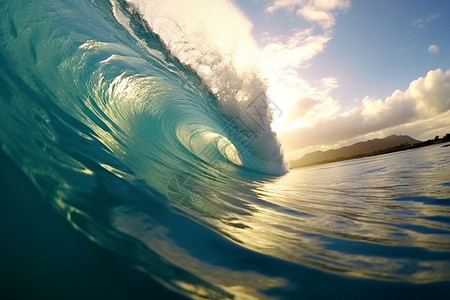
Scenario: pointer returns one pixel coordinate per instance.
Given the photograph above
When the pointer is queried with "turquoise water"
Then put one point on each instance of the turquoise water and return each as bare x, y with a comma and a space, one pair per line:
125, 175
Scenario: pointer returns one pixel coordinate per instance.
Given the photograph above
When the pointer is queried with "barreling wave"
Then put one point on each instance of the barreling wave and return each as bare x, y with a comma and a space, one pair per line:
216, 43
149, 131
125, 79
89, 88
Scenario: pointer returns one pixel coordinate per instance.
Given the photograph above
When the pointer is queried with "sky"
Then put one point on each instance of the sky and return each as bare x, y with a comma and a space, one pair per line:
343, 71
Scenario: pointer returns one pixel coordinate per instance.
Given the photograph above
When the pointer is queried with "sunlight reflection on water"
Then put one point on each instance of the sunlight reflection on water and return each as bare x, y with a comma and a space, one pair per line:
385, 216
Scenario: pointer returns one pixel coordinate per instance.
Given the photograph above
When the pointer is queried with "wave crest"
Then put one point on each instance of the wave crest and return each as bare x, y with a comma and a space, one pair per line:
217, 44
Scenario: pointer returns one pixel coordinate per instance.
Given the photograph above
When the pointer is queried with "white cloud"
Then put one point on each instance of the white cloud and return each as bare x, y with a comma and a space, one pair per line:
295, 51
433, 49
318, 11
300, 101
423, 108
315, 103
422, 22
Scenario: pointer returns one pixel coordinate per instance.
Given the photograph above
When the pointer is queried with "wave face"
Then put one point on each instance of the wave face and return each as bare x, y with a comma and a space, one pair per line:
150, 132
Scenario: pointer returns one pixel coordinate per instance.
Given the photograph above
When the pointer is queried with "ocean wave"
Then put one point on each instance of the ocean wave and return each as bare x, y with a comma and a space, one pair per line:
99, 94
149, 131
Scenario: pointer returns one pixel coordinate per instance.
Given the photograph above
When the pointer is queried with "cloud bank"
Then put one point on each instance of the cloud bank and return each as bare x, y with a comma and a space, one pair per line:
424, 107
312, 119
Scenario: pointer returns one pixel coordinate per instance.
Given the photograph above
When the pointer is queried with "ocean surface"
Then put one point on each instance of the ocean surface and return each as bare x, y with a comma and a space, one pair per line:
138, 162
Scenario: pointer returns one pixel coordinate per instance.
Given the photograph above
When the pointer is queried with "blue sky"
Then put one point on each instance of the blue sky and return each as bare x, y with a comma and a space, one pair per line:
376, 46
344, 57
379, 46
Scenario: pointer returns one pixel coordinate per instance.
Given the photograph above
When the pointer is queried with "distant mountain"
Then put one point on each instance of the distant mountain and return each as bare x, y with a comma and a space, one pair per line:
372, 147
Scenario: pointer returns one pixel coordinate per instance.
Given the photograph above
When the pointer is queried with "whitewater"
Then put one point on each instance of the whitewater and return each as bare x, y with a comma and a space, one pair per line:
146, 126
